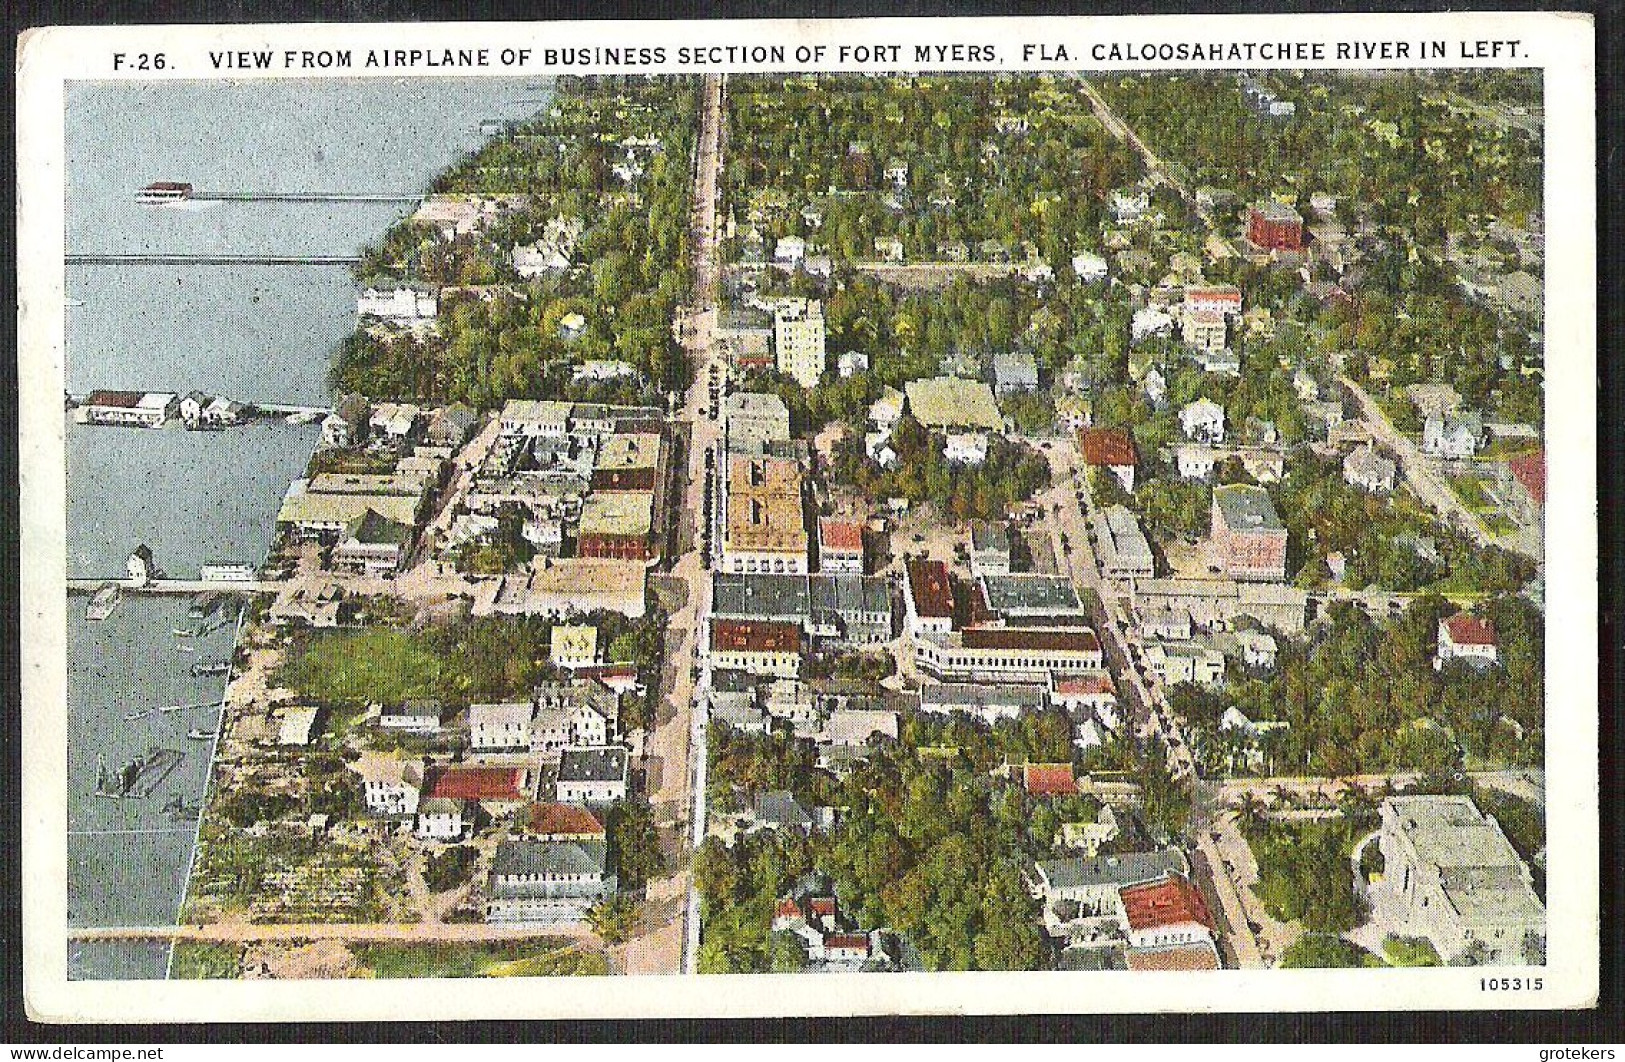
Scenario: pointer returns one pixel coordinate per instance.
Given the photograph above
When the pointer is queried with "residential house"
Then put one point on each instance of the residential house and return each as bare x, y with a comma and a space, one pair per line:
443, 819
965, 448
372, 544
851, 363
1014, 372
415, 716
1526, 486
1204, 331
1073, 412
1176, 662
757, 647
573, 645
789, 251
1048, 779
1464, 636
1456, 436
553, 821
450, 425
389, 785
1091, 695
1088, 267
399, 302
500, 727
1203, 421
1111, 449
1367, 469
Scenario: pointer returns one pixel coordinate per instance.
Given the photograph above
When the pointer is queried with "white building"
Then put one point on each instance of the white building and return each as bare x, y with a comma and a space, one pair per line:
1467, 637
390, 786
1451, 875
965, 448
499, 727
1176, 662
1365, 468
442, 819
1089, 267
402, 303
1203, 421
592, 775
798, 340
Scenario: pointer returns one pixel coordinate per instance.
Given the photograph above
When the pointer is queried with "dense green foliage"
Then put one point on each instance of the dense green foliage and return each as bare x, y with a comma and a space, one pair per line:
1362, 696
1012, 473
1303, 870
1325, 951
1410, 951
505, 340
531, 958
634, 843
197, 960
450, 868
1009, 160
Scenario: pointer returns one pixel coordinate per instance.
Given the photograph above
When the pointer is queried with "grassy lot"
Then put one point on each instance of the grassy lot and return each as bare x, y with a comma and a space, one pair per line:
1471, 491
356, 667
540, 958
198, 961
1409, 951
1497, 524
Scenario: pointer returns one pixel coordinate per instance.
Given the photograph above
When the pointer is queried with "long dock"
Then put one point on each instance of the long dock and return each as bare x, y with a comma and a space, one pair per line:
214, 259
176, 586
305, 197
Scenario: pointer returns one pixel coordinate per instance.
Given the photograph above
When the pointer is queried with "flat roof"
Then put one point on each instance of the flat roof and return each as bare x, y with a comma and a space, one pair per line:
951, 402
1030, 593
405, 484
850, 592
588, 576
307, 508
755, 636
617, 514
628, 451
1072, 640
1479, 870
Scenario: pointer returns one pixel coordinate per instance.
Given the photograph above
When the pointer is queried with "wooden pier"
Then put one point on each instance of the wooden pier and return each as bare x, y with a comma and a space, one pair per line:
176, 586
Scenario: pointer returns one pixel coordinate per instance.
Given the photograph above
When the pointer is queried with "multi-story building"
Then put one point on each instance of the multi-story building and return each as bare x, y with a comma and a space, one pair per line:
982, 654
759, 647
1273, 226
928, 597
1451, 875
1247, 537
840, 546
764, 528
592, 775
798, 340
547, 881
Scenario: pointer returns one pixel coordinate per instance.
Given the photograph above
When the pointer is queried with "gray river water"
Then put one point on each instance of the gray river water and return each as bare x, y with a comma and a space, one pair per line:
254, 333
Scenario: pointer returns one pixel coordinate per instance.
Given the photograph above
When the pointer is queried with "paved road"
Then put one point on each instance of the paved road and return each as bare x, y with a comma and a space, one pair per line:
1424, 479
705, 434
411, 932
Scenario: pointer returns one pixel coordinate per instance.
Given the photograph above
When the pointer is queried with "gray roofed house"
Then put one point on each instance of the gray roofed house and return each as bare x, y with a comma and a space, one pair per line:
779, 809
1367, 469
738, 709
516, 860
1247, 508
593, 765
1014, 372
989, 548
990, 703
450, 426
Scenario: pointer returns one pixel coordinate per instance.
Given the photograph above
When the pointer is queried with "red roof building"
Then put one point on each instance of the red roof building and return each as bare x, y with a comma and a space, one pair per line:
114, 399
1067, 640
496, 784
1110, 448
1166, 912
1049, 779
1465, 629
755, 636
1529, 470
1275, 226
1085, 685
563, 822
840, 546
929, 595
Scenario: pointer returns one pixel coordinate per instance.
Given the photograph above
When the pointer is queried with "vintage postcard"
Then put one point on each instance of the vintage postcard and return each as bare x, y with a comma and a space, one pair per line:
1005, 515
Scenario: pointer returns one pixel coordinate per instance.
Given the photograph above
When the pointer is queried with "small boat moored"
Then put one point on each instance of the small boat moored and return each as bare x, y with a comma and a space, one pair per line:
102, 603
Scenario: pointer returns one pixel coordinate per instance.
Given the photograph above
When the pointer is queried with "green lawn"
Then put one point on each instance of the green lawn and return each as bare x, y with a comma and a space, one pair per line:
199, 961
356, 667
1409, 951
1471, 492
540, 958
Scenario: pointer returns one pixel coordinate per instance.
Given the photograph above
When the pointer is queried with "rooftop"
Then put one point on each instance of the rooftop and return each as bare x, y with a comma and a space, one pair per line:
1478, 868
478, 783
1106, 447
1273, 210
563, 820
1128, 868
1170, 902
978, 696
928, 584
548, 858
1530, 470
840, 535
1246, 508
628, 451
607, 764
1073, 640
1179, 957
755, 636
1030, 593
1467, 629
617, 514
950, 402
759, 596
308, 508
1049, 779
